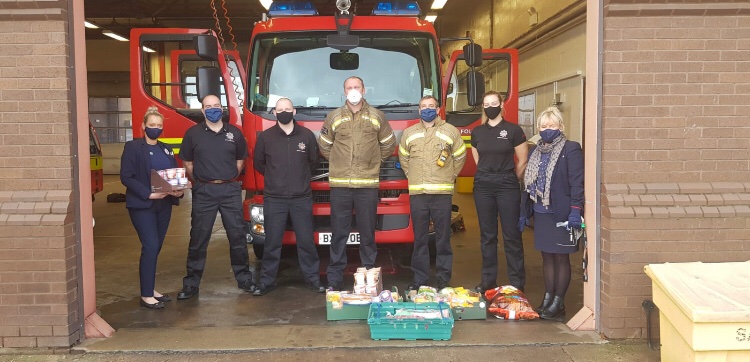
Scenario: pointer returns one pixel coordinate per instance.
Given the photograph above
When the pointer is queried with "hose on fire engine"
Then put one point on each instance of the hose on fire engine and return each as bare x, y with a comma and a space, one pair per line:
232, 75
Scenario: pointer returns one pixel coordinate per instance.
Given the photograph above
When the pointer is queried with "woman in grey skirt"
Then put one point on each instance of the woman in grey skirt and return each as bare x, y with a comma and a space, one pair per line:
554, 183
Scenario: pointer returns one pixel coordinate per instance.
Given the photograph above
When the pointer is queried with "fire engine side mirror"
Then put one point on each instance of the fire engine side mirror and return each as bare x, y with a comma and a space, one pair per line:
474, 88
344, 61
206, 47
208, 82
473, 54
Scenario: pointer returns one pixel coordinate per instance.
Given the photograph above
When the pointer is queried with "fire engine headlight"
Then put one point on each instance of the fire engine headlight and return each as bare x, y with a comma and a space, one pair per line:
256, 213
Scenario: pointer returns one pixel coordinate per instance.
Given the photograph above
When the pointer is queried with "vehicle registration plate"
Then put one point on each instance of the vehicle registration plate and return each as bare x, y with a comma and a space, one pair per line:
325, 239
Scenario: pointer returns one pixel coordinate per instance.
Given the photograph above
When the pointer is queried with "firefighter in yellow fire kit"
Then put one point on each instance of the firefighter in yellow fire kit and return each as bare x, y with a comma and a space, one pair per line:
432, 154
355, 139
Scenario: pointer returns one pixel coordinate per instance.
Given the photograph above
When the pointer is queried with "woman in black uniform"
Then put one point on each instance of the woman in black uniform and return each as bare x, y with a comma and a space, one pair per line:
554, 181
497, 190
149, 211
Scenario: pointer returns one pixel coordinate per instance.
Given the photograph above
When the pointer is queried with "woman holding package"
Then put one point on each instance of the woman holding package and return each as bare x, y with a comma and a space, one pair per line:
497, 190
149, 211
554, 182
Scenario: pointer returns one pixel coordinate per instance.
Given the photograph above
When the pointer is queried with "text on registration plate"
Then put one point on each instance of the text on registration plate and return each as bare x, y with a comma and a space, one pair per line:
325, 239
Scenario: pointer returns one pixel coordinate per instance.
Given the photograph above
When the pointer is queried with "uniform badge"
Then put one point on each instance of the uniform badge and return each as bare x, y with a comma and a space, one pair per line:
230, 137
503, 134
301, 146
324, 130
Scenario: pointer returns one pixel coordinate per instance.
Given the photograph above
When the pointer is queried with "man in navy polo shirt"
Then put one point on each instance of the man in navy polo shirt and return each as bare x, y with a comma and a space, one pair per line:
214, 153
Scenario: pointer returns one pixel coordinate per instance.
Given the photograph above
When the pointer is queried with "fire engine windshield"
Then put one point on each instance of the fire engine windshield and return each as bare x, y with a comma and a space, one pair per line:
397, 69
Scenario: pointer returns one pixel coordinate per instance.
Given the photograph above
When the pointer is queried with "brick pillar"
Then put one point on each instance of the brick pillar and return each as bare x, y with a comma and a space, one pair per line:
676, 139
39, 297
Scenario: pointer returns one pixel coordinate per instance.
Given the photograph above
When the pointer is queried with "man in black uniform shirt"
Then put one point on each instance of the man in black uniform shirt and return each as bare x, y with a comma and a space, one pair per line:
286, 154
214, 153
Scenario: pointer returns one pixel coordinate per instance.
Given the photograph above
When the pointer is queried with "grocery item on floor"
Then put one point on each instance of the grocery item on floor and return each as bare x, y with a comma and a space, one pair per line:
507, 302
466, 304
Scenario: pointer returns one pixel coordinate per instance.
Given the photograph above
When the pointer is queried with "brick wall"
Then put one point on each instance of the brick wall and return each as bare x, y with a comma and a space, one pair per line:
38, 276
676, 140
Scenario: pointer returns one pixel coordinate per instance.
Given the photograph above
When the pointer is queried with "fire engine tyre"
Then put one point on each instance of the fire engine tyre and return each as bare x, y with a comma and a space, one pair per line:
258, 250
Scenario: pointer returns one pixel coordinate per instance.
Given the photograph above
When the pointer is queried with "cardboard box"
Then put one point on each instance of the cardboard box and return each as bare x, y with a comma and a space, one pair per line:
162, 184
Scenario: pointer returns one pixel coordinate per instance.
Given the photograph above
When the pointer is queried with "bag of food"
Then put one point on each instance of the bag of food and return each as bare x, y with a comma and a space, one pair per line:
507, 302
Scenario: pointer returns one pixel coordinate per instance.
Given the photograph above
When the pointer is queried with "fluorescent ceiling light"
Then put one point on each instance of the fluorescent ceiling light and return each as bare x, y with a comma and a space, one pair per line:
90, 25
431, 18
438, 4
114, 35
266, 3
148, 50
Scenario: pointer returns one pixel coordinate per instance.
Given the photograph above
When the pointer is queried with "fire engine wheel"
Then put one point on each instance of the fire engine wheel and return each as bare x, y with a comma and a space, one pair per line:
258, 250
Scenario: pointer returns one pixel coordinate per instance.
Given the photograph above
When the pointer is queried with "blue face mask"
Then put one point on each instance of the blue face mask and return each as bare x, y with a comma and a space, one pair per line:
153, 133
549, 135
214, 114
428, 114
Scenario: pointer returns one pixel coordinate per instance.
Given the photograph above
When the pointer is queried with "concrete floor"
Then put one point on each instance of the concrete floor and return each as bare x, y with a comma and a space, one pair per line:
117, 251
291, 320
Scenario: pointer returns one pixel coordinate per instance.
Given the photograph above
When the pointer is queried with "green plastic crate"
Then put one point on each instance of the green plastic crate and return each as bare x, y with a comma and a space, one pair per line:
382, 328
478, 311
348, 312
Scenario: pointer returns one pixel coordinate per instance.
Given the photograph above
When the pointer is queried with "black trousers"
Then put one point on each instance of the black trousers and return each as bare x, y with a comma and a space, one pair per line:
208, 199
499, 193
275, 214
151, 225
438, 208
344, 201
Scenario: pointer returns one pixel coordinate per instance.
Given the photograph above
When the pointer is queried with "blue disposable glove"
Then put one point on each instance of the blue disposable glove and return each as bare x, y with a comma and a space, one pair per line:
574, 219
522, 222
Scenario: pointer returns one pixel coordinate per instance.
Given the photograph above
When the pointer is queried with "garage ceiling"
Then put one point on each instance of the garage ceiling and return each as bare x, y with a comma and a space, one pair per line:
122, 15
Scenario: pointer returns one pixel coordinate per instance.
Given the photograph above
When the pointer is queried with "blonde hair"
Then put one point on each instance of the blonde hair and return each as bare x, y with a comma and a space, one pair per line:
551, 115
502, 109
152, 111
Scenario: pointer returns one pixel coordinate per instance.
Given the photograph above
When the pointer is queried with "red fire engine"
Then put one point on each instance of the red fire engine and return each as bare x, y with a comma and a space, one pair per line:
298, 54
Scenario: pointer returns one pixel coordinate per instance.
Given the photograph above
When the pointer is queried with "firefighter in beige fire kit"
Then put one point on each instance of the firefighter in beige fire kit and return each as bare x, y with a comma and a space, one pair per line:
355, 139
432, 154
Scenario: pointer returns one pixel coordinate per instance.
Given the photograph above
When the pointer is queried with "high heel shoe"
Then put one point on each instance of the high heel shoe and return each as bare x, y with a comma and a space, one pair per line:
545, 303
157, 305
555, 311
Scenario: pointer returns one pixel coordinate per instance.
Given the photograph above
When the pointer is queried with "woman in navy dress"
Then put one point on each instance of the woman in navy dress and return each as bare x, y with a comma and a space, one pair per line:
554, 182
149, 211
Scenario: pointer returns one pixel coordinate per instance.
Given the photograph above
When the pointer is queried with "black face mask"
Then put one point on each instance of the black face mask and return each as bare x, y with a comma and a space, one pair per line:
284, 117
492, 112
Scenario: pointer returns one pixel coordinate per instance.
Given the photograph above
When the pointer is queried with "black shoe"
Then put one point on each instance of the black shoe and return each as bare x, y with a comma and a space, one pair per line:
519, 288
164, 298
555, 311
247, 285
187, 292
316, 286
412, 286
545, 303
334, 286
263, 289
157, 305
482, 287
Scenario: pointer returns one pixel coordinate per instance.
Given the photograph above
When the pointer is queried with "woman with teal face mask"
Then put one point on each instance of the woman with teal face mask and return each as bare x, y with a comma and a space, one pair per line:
554, 182
149, 211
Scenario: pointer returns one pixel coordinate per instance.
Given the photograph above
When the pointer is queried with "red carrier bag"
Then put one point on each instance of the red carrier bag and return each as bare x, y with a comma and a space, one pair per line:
507, 302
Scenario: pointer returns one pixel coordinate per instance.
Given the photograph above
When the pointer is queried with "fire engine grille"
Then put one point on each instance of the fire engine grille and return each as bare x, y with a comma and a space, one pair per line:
324, 196
389, 170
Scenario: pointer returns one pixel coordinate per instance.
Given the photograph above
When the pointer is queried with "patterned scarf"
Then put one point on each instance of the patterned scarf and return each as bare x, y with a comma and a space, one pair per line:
539, 170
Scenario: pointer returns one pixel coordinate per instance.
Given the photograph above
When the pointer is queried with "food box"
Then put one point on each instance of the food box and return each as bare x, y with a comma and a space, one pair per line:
171, 179
395, 321
478, 311
465, 304
347, 312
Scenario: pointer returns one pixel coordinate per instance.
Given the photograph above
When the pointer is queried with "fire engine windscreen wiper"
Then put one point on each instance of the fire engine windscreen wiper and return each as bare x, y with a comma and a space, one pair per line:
393, 104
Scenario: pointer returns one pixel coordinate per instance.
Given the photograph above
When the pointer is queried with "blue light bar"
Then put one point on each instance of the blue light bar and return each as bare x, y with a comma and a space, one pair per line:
397, 8
289, 8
